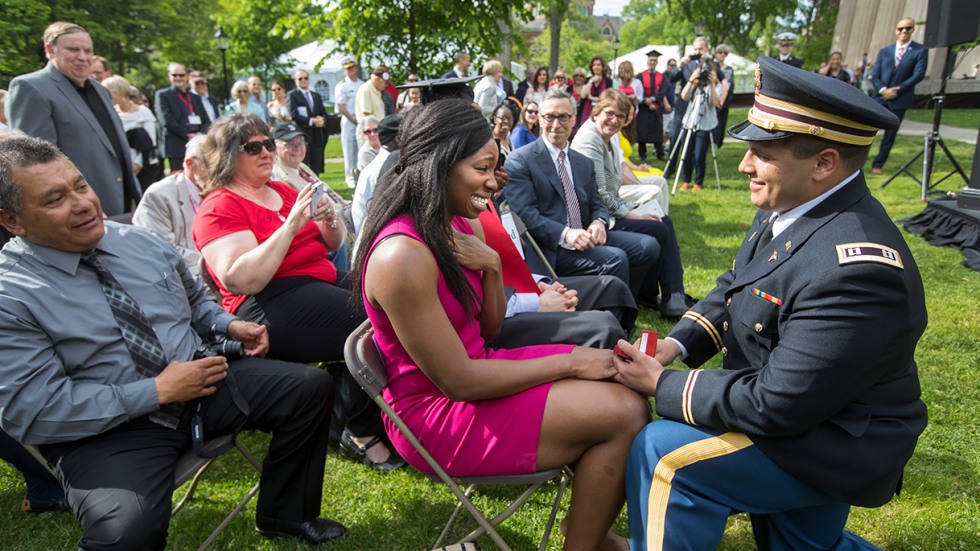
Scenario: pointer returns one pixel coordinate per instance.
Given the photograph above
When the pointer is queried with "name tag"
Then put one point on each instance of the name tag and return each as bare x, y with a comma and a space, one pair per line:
194, 120
303, 111
507, 221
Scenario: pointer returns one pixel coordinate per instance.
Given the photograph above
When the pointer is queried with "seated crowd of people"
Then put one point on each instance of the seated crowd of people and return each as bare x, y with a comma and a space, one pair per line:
103, 320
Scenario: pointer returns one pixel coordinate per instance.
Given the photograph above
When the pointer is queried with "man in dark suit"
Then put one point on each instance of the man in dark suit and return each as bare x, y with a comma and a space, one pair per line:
62, 105
898, 68
786, 43
461, 64
307, 111
571, 231
199, 87
817, 407
181, 113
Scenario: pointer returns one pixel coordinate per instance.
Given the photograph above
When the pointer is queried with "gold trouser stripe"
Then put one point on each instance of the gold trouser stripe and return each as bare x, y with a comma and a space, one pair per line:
663, 476
686, 401
707, 325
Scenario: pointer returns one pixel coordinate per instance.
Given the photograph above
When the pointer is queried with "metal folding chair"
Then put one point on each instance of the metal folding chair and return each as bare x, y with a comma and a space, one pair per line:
190, 468
526, 237
366, 365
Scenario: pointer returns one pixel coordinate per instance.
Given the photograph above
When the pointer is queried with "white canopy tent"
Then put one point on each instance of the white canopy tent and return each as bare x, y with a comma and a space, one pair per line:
325, 78
744, 69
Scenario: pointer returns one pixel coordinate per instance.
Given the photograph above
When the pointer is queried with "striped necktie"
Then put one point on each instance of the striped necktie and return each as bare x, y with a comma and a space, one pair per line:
137, 333
571, 199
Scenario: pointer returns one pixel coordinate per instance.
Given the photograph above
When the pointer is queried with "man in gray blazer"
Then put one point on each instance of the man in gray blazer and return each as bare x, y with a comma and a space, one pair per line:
571, 231
62, 105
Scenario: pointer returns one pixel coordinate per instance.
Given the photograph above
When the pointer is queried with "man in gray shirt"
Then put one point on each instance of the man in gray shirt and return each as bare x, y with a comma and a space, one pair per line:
74, 383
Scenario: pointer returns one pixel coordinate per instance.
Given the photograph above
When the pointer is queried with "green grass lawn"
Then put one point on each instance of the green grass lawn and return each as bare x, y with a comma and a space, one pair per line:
938, 508
960, 118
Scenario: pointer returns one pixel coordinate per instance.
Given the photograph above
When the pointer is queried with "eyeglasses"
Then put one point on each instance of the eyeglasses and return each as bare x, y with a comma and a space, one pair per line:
531, 111
412, 79
560, 77
563, 118
255, 147
611, 113
301, 144
178, 75
909, 28
302, 78
199, 82
371, 131
276, 89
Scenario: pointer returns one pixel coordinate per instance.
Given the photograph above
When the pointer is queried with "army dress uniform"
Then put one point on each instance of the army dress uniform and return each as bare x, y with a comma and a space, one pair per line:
817, 406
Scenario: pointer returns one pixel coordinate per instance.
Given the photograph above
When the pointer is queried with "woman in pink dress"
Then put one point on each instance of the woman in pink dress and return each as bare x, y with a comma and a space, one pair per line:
433, 291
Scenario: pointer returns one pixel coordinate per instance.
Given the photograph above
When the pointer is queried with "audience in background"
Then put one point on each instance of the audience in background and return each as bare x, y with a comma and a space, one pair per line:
306, 109
487, 93
503, 123
369, 149
596, 85
141, 132
277, 106
169, 206
181, 114
527, 128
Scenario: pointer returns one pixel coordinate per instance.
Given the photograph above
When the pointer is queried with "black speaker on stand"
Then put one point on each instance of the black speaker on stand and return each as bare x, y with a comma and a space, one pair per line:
948, 22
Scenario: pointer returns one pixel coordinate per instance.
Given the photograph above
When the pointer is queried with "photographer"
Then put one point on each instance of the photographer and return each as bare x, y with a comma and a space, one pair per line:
682, 74
701, 118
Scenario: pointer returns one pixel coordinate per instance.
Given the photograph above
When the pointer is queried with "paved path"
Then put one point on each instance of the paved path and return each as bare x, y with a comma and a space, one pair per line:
920, 129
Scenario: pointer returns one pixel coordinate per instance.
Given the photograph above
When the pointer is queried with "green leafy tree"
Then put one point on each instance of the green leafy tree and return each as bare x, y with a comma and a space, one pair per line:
648, 29
579, 42
735, 22
21, 23
814, 22
419, 34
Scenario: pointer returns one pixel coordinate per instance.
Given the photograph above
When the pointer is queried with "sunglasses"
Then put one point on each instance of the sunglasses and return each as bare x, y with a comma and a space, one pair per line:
255, 147
909, 28
303, 78
531, 111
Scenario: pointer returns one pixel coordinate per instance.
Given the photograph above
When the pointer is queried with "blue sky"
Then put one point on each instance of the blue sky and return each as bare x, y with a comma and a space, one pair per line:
609, 7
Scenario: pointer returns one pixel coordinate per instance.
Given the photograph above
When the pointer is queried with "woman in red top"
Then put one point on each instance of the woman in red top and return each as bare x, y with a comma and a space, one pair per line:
268, 257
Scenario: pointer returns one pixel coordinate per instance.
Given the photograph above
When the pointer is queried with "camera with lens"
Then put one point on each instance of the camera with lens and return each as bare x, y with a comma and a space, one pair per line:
218, 345
706, 65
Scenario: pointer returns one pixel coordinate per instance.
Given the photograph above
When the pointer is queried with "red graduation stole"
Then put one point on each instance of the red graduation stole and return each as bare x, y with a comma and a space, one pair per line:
515, 271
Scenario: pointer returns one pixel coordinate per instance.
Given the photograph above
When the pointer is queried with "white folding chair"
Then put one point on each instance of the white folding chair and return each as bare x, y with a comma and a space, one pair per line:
366, 365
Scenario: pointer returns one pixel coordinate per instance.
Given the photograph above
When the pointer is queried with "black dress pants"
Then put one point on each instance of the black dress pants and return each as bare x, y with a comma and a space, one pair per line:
120, 483
308, 321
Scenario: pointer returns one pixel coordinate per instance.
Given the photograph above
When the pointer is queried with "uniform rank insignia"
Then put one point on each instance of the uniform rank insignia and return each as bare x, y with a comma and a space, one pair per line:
766, 296
851, 253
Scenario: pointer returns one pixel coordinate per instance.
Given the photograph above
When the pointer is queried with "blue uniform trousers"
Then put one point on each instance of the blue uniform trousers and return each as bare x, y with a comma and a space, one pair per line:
683, 482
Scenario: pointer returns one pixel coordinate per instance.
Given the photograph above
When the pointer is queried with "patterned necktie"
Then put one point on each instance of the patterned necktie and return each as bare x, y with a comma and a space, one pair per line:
571, 200
136, 331
898, 55
764, 238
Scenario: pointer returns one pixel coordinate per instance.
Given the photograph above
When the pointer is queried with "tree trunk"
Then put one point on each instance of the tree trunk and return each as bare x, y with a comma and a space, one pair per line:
555, 18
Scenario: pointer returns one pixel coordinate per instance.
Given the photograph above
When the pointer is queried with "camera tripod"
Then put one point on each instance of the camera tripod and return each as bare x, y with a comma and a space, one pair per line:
693, 118
929, 144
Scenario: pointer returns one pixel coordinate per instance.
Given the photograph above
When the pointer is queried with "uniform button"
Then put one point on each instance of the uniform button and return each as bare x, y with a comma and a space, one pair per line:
728, 302
724, 351
758, 328
724, 326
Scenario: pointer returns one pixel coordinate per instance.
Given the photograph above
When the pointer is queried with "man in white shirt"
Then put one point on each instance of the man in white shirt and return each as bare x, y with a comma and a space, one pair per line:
346, 94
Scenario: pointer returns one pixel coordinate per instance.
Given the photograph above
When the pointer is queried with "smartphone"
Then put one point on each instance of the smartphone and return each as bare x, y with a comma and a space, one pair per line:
501, 156
648, 345
318, 193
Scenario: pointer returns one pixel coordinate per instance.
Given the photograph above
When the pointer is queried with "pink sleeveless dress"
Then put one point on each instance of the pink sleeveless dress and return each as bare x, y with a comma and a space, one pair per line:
486, 437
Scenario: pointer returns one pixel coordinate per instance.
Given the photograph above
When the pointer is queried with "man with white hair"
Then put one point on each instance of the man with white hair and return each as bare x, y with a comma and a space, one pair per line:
307, 111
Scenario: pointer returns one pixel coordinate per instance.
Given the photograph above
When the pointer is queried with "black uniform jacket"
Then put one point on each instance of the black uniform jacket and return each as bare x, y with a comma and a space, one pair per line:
818, 332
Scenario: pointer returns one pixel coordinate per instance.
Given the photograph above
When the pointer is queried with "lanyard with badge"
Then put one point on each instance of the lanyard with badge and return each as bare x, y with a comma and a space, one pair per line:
193, 118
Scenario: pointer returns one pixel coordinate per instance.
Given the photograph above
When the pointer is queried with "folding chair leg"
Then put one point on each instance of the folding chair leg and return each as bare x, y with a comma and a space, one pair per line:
505, 514
231, 516
190, 489
452, 518
562, 485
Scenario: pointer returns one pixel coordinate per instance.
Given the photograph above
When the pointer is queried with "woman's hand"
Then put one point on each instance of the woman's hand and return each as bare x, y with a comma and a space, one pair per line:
473, 253
593, 364
299, 215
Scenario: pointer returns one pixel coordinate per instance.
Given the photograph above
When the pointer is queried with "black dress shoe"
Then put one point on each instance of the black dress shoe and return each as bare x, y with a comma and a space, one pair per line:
674, 306
38, 505
351, 448
313, 532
